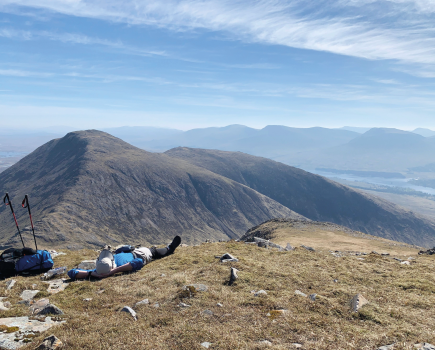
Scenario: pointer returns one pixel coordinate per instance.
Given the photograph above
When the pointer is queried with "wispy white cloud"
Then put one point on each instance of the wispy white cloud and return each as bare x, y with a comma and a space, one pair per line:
75, 38
400, 30
387, 81
23, 73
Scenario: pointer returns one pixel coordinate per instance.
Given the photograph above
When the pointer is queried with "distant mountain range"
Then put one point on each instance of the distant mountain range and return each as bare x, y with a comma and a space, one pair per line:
347, 148
90, 188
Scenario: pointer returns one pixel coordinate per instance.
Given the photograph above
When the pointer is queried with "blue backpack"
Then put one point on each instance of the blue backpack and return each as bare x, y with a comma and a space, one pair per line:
36, 263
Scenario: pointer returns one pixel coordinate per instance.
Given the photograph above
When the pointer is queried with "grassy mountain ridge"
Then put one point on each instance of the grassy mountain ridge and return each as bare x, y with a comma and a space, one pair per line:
313, 196
399, 311
92, 188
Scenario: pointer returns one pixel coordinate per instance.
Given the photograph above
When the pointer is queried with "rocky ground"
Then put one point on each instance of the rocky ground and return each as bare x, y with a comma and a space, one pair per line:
279, 298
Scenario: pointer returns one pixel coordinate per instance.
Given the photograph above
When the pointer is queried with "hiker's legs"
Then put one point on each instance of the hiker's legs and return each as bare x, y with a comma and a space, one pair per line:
159, 253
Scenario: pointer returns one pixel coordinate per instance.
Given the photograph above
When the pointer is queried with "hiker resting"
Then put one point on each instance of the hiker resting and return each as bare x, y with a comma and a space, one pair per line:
109, 264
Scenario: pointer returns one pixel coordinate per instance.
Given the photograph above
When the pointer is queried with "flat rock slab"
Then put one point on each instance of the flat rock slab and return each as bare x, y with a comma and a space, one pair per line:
56, 286
28, 294
25, 326
88, 265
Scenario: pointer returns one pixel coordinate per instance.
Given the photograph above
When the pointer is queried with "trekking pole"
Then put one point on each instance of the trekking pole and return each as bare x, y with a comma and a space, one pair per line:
12, 210
25, 204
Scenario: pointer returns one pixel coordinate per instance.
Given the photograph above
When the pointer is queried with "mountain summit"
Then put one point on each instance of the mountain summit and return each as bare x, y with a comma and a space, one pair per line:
90, 188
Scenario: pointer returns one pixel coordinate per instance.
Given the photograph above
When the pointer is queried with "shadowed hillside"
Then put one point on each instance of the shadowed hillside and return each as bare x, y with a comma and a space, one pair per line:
313, 196
92, 188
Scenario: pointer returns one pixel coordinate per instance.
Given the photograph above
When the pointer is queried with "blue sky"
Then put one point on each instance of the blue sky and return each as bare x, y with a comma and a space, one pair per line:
198, 63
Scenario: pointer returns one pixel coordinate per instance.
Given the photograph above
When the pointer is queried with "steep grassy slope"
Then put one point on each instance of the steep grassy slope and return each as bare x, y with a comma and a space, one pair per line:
313, 196
90, 188
400, 308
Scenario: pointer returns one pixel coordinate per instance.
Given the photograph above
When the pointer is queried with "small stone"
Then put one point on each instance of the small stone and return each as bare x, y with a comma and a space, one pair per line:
7, 304
272, 314
162, 275
375, 252
183, 245
87, 299
298, 292
312, 297
87, 265
3, 307
228, 257
386, 347
28, 294
39, 305
385, 254
265, 343
399, 260
335, 281
206, 344
143, 302
288, 247
207, 313
50, 309
296, 345
101, 291
424, 346
357, 302
406, 262
130, 311
260, 292
34, 286
219, 304
183, 305
308, 248
50, 343
10, 284
233, 276
156, 305
197, 287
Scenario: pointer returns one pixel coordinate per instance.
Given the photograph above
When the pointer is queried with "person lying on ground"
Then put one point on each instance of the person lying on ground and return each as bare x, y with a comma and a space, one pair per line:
109, 264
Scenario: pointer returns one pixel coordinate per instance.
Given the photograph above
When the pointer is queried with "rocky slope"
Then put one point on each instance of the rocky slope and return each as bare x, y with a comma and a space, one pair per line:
89, 188
313, 196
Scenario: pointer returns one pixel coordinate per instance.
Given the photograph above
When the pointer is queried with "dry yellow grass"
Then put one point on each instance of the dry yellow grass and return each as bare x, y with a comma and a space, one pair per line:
400, 309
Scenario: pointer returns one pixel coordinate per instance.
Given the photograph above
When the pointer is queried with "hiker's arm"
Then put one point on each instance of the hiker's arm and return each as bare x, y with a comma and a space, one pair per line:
123, 268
